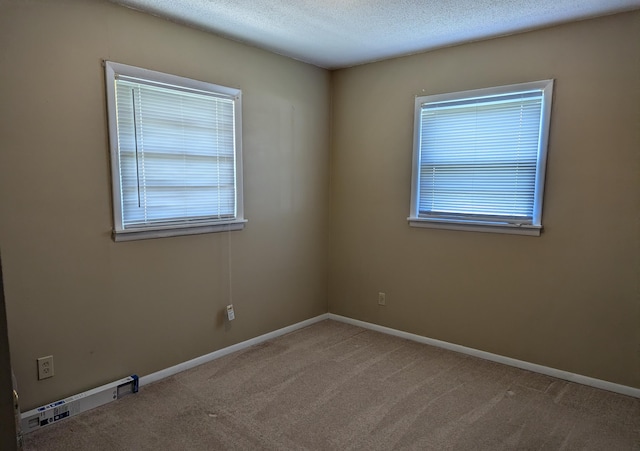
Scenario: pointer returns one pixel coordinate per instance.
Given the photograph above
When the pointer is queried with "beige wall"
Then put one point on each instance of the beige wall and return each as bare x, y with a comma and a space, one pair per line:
568, 299
106, 310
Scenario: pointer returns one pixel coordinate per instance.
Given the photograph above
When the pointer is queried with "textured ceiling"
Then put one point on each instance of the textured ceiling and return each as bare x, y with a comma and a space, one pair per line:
341, 33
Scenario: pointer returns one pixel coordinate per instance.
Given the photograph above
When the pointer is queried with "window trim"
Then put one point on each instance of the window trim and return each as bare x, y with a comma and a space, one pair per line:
119, 233
533, 229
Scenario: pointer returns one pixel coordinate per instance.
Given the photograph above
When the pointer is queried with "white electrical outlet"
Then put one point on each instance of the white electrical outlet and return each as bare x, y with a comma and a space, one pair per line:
45, 367
382, 299
230, 313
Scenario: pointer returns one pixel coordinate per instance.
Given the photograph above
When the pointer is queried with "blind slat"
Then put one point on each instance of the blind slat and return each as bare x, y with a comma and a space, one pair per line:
177, 154
479, 157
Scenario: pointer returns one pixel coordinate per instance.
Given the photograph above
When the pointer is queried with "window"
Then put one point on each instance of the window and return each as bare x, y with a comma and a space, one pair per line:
479, 159
176, 156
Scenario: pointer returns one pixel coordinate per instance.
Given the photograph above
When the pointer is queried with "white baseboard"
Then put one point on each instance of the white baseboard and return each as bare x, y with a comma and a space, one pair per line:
153, 377
560, 374
553, 372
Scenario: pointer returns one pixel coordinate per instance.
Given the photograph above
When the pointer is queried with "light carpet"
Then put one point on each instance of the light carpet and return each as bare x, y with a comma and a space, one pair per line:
334, 386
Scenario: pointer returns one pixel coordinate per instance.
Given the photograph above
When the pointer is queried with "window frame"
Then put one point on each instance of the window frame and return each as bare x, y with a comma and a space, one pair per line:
171, 227
473, 224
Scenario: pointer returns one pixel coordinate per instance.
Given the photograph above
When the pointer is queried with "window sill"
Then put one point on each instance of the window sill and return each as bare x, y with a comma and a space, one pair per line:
164, 232
470, 226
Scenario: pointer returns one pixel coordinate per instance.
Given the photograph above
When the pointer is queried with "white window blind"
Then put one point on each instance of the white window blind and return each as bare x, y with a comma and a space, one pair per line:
176, 152
480, 156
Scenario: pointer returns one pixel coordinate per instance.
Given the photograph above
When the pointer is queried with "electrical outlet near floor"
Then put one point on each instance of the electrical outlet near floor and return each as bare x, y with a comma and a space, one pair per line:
382, 299
45, 367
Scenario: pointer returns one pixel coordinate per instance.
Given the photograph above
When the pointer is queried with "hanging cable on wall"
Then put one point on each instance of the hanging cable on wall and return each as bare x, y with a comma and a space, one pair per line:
230, 311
